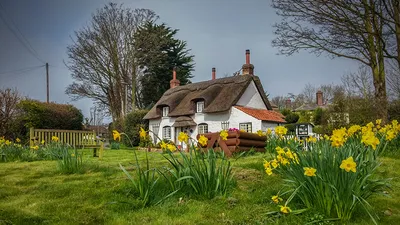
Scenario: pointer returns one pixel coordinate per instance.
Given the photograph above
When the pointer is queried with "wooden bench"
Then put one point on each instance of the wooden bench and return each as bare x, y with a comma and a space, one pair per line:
75, 138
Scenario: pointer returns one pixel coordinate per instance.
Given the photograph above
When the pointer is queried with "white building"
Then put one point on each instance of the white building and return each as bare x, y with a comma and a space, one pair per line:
214, 105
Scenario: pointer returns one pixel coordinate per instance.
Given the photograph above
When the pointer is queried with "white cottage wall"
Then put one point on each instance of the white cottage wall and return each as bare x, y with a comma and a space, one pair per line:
265, 125
237, 117
251, 98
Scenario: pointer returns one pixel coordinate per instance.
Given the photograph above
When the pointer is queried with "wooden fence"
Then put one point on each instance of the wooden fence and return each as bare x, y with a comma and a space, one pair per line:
75, 138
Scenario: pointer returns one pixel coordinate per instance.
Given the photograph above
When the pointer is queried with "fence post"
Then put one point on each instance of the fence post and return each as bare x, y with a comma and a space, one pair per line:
31, 136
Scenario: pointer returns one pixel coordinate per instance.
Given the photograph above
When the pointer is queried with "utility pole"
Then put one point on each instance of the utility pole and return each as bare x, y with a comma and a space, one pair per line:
47, 82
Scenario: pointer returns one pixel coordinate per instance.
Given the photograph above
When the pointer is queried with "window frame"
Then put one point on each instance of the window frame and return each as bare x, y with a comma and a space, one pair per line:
202, 126
200, 106
165, 111
247, 128
225, 125
166, 130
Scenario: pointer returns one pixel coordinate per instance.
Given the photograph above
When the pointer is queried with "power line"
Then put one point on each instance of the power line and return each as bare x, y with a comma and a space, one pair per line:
22, 70
25, 43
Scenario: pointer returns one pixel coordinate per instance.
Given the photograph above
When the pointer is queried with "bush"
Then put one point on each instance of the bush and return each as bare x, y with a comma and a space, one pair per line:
49, 115
131, 127
292, 118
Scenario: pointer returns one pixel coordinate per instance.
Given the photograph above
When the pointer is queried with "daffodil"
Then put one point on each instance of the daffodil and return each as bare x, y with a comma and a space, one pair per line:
163, 145
276, 198
353, 129
274, 163
171, 147
280, 150
54, 138
73, 155
280, 130
266, 164
116, 135
18, 140
42, 142
224, 135
268, 171
349, 165
269, 131
289, 154
312, 139
35, 147
142, 133
369, 139
183, 137
285, 209
203, 140
260, 133
8, 142
309, 171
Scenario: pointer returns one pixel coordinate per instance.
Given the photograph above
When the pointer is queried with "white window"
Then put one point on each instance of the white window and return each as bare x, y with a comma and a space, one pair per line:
246, 127
166, 131
155, 129
200, 107
203, 128
165, 111
225, 125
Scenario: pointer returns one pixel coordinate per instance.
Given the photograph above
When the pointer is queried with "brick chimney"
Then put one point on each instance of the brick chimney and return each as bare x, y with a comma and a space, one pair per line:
174, 82
213, 73
248, 68
288, 103
320, 101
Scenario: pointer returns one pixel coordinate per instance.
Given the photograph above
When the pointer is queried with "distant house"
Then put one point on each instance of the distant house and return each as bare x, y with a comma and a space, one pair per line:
213, 105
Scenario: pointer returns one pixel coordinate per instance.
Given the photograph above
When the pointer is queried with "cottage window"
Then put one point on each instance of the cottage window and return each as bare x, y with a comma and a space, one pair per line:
200, 107
167, 132
165, 111
203, 128
246, 127
225, 125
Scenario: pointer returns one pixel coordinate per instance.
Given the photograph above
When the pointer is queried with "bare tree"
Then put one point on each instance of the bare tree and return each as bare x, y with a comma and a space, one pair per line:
393, 81
101, 58
8, 108
309, 93
349, 29
279, 101
359, 84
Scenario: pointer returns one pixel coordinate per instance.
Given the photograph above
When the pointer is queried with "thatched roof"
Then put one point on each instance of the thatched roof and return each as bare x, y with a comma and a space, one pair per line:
219, 95
184, 121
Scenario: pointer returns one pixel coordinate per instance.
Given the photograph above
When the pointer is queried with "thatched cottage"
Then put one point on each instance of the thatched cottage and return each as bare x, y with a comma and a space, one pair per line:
210, 106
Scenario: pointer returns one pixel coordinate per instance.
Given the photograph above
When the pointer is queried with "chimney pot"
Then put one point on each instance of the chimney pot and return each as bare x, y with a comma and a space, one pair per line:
247, 56
319, 98
248, 69
174, 82
213, 73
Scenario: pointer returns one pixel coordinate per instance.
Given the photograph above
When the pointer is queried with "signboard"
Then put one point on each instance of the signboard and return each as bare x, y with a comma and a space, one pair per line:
302, 129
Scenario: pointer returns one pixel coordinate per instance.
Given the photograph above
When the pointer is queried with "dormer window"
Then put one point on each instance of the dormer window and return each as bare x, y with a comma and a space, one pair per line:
200, 107
165, 111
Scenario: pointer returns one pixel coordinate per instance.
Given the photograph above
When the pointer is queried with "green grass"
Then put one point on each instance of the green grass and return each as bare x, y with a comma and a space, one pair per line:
35, 193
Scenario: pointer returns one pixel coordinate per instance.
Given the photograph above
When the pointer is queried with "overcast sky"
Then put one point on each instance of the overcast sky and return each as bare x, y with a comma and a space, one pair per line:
217, 31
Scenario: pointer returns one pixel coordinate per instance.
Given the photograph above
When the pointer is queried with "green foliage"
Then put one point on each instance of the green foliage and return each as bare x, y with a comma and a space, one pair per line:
131, 127
50, 115
318, 116
291, 127
114, 145
206, 174
71, 162
158, 51
292, 118
394, 110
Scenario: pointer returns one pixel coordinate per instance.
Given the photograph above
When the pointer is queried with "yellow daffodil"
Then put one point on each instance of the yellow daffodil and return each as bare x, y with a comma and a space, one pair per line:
224, 135
268, 171
349, 165
116, 135
8, 142
284, 161
266, 164
280, 130
289, 154
142, 133
163, 145
54, 138
309, 171
203, 140
171, 147
280, 150
276, 199
18, 140
42, 142
73, 155
269, 131
285, 209
390, 135
338, 137
312, 139
369, 139
35, 147
274, 163
353, 129
183, 137
260, 133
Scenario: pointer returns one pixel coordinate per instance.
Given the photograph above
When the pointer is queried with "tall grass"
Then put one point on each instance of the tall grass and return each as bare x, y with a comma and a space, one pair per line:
70, 162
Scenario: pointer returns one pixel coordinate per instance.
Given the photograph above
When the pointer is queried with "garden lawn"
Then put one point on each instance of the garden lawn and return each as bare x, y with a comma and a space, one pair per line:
36, 193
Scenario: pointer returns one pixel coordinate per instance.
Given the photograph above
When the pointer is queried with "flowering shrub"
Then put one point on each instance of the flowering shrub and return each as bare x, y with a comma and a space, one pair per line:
335, 174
